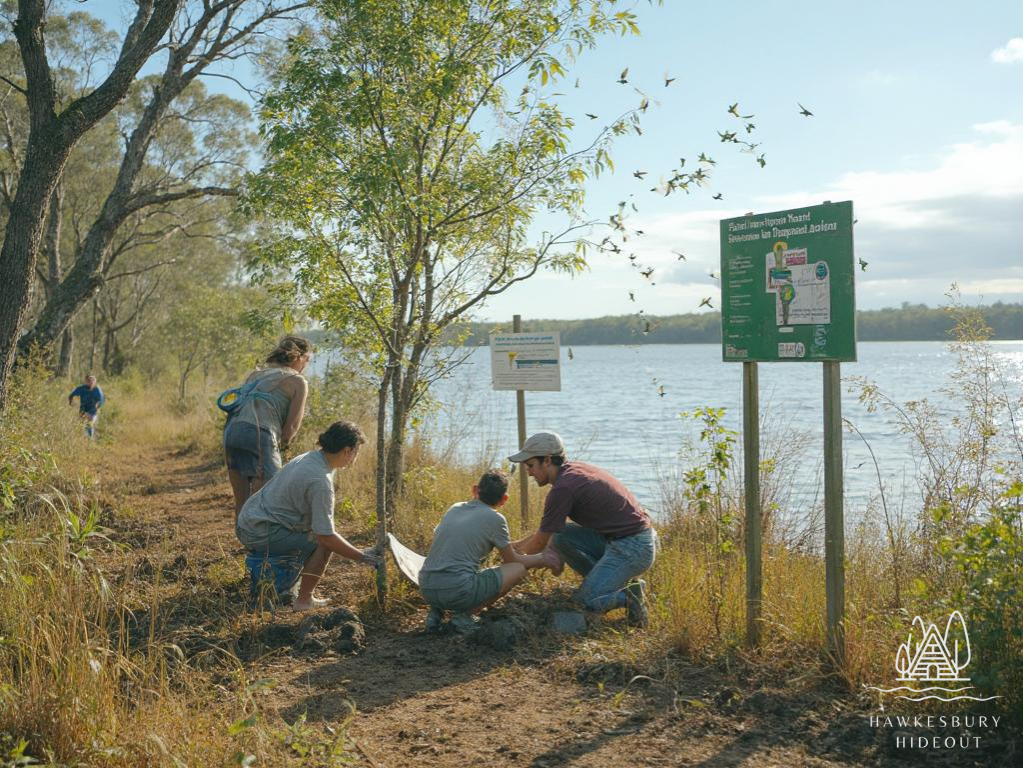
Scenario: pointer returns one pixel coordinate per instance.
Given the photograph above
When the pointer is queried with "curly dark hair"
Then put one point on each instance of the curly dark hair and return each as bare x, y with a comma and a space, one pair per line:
341, 435
289, 349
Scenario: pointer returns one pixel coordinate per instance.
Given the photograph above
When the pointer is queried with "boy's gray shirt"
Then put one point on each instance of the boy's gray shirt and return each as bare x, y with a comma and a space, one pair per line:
300, 497
464, 537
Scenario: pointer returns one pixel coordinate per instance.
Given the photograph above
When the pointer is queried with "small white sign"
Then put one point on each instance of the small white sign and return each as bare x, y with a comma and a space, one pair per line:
528, 361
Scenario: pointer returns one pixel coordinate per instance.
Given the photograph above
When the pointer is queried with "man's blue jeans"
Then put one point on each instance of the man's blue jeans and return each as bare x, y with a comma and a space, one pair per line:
606, 565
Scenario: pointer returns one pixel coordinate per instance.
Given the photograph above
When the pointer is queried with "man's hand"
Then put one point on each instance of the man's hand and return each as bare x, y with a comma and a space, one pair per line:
553, 560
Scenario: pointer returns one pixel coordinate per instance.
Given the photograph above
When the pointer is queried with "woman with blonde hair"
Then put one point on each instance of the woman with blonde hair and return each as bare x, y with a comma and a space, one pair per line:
270, 417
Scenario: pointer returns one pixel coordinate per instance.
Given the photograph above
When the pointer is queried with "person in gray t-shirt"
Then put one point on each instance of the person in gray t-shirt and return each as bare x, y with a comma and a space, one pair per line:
293, 514
451, 578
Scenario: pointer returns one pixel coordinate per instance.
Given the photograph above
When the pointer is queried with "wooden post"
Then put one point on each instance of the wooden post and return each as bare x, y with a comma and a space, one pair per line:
752, 500
524, 488
835, 579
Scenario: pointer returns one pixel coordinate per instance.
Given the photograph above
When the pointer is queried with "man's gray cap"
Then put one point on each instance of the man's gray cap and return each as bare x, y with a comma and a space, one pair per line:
540, 444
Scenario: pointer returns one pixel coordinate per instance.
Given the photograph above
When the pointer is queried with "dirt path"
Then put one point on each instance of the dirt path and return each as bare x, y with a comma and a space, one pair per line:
442, 701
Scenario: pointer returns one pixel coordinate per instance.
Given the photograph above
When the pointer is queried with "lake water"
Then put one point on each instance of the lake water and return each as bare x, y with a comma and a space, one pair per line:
619, 408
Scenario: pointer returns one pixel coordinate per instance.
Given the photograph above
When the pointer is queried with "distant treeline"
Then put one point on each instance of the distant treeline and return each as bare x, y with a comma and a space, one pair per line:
910, 322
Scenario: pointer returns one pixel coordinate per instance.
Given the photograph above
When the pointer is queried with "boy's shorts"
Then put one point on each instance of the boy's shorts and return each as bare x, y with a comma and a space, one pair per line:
278, 541
482, 587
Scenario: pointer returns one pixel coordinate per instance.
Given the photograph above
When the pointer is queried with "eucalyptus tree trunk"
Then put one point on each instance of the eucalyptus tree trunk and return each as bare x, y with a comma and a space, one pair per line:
67, 348
51, 138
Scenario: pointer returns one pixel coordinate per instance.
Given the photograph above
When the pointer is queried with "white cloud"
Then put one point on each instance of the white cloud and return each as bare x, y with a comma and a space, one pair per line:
920, 230
1001, 127
986, 169
955, 220
1011, 52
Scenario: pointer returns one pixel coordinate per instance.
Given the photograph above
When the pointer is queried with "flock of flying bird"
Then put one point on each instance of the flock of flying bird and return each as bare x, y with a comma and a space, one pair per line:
679, 180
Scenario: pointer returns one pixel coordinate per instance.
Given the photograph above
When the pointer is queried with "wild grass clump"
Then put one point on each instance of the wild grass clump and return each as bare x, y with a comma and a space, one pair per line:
97, 665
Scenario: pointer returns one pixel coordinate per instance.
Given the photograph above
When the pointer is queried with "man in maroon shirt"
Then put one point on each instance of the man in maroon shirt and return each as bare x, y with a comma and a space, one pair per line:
594, 523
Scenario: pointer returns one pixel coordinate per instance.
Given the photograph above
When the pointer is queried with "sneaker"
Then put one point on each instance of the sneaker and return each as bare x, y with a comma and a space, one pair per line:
636, 608
464, 623
435, 621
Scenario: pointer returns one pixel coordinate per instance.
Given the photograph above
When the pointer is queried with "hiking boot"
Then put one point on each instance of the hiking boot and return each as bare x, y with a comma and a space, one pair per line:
636, 608
464, 623
435, 621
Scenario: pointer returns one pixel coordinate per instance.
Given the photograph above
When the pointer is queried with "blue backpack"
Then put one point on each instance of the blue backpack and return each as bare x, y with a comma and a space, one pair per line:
231, 400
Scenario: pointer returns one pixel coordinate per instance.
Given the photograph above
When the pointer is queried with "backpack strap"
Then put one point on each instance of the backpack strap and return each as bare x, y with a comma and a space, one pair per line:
275, 381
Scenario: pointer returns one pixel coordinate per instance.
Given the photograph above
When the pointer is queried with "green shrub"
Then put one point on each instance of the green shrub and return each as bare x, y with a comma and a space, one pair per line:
986, 563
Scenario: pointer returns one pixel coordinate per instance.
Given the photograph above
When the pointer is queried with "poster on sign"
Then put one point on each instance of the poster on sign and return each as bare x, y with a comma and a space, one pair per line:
525, 361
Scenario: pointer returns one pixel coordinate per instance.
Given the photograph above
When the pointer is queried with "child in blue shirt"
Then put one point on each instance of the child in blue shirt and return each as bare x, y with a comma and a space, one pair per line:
90, 399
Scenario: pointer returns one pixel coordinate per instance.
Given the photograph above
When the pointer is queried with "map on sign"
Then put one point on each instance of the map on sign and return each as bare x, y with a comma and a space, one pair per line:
528, 361
787, 285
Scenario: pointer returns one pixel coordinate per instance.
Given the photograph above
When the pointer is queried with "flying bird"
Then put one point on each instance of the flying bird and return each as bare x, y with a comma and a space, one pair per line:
727, 136
668, 80
622, 78
644, 104
706, 302
592, 117
717, 197
679, 256
639, 174
647, 272
734, 110
761, 160
647, 327
804, 110
661, 391
863, 265
705, 159
569, 354
631, 296
750, 127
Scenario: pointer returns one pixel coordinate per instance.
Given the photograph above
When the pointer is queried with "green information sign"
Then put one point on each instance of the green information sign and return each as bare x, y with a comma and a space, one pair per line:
787, 286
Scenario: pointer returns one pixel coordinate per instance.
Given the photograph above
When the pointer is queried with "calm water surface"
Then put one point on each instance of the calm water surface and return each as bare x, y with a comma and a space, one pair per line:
620, 408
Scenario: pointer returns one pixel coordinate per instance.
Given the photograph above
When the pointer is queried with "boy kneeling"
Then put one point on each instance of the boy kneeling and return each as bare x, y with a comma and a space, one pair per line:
451, 578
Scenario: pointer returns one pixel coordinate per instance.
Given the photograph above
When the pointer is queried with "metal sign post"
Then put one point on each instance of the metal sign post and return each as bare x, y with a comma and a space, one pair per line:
788, 295
835, 572
752, 501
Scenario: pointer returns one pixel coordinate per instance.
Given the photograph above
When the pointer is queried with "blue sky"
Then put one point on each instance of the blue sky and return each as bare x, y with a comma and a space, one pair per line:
917, 119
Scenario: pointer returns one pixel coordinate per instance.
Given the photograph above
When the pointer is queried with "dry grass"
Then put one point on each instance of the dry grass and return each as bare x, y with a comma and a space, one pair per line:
79, 683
